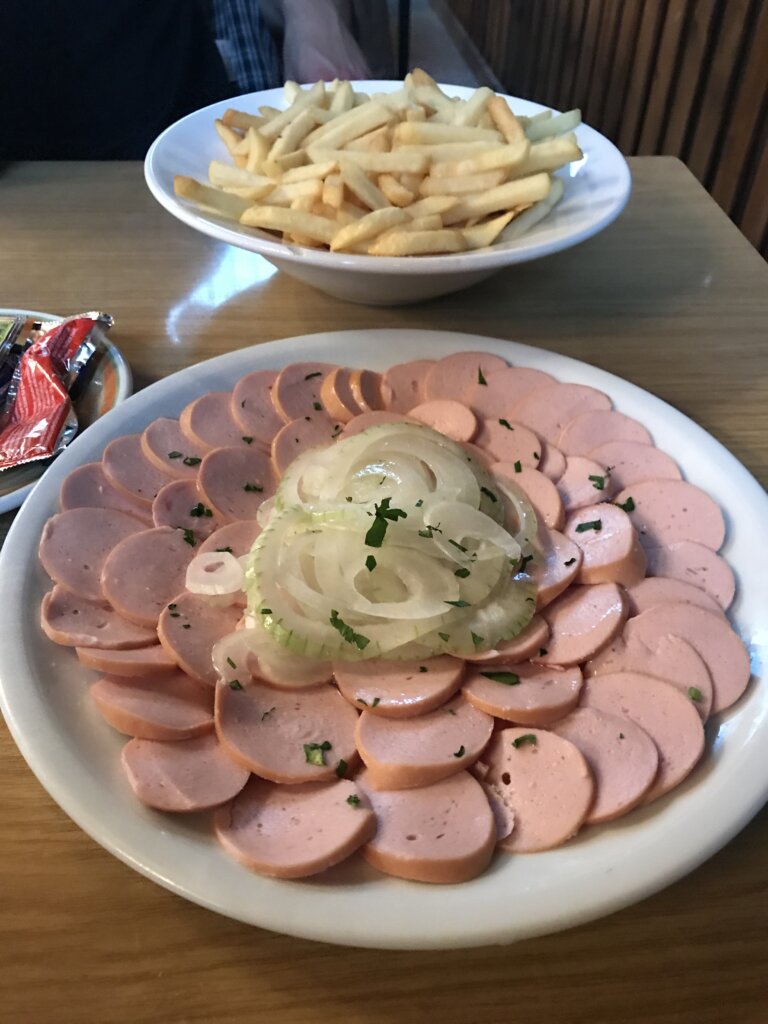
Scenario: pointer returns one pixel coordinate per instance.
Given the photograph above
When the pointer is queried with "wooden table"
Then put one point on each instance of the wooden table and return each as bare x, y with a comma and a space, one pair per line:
671, 297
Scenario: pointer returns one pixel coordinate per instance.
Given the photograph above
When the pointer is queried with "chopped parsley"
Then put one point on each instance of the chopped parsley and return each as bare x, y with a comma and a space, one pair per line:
370, 563
507, 678
524, 562
569, 562
628, 505
457, 545
593, 524
462, 573
694, 693
175, 615
480, 378
489, 494
341, 768
419, 503
518, 466
522, 740
621, 735
317, 373
266, 611
172, 607
476, 640
200, 511
382, 516
247, 439
235, 684
598, 482
250, 488
228, 550
186, 625
460, 752
189, 538
314, 753
458, 604
231, 663
336, 430
192, 460
317, 407
542, 651
536, 456
423, 668
375, 702
507, 424
347, 633
353, 800
174, 455
445, 637
266, 713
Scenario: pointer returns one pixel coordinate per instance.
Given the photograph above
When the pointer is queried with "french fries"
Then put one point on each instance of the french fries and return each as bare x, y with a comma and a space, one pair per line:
407, 173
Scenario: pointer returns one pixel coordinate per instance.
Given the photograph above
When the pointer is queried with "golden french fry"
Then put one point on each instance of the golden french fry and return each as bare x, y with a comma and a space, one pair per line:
228, 136
505, 120
461, 185
369, 226
374, 163
415, 133
239, 119
280, 218
349, 125
503, 197
258, 150
526, 220
283, 195
276, 168
500, 157
225, 175
377, 141
281, 120
418, 243
416, 113
556, 125
481, 235
253, 195
395, 191
292, 136
290, 91
548, 155
469, 113
361, 185
308, 171
445, 151
333, 191
343, 98
304, 204
432, 204
212, 199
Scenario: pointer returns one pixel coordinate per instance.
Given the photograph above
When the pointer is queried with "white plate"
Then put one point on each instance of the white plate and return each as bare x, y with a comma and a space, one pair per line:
596, 191
111, 384
76, 757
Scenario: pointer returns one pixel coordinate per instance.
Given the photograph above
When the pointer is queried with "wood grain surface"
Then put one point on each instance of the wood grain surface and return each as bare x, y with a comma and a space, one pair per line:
671, 297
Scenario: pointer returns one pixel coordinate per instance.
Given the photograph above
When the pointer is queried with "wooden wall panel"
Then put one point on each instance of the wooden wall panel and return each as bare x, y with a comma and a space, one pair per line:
682, 77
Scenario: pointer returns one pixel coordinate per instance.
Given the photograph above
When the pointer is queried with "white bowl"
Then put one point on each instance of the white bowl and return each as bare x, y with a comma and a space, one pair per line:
596, 191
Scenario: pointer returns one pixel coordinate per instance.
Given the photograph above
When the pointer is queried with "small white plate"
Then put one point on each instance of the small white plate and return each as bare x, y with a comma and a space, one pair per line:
76, 756
596, 191
111, 384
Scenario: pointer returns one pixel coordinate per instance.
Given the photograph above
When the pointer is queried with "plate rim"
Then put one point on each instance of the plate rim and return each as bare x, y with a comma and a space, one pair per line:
431, 934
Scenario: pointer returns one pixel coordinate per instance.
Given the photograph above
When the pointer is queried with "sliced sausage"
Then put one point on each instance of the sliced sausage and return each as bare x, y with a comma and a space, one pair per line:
286, 735
538, 489
710, 636
448, 417
88, 487
129, 470
582, 621
75, 545
208, 423
236, 538
183, 775
298, 436
399, 689
178, 505
510, 652
660, 710
584, 482
695, 564
525, 694
416, 752
129, 664
297, 389
631, 462
170, 451
665, 657
190, 626
371, 419
404, 384
622, 757
590, 429
252, 407
555, 565
367, 390
143, 573
655, 590
456, 376
163, 707
509, 442
77, 622
235, 481
548, 410
294, 831
611, 550
443, 833
552, 462
336, 397
503, 388
544, 781
667, 511
479, 456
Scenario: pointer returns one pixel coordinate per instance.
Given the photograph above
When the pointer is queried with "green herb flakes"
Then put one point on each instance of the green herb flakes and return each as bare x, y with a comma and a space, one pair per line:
192, 460
235, 684
507, 424
593, 524
462, 573
489, 494
189, 538
347, 633
460, 752
522, 740
314, 753
341, 768
476, 640
247, 439
458, 604
480, 378
598, 482
353, 800
174, 455
507, 678
628, 505
253, 488
518, 466
231, 663
694, 693
228, 550
317, 373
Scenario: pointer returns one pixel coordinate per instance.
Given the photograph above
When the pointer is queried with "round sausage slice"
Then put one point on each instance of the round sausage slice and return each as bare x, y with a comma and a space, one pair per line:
404, 384
297, 389
584, 482
144, 571
456, 376
525, 694
236, 538
75, 545
555, 565
538, 489
667, 511
548, 410
337, 397
190, 626
655, 590
582, 622
660, 710
710, 636
367, 390
399, 689
88, 487
167, 448
593, 428
416, 752
286, 735
632, 462
695, 564
622, 757
235, 481
510, 652
77, 622
184, 775
297, 436
611, 550
129, 664
443, 833
503, 388
164, 707
450, 418
552, 463
371, 419
509, 443
178, 505
129, 470
544, 781
294, 831
252, 407
208, 423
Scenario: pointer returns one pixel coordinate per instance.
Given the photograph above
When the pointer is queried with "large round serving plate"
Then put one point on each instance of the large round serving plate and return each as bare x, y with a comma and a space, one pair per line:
76, 756
596, 191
